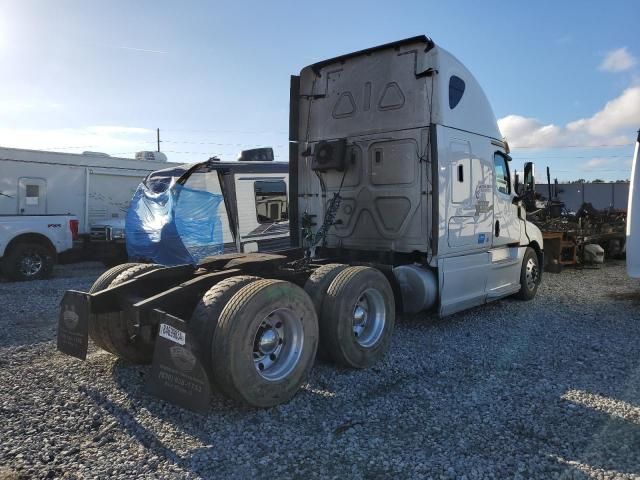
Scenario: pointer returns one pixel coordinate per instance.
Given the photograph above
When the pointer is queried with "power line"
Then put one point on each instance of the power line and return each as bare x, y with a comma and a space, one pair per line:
593, 170
222, 144
225, 131
69, 148
586, 147
517, 157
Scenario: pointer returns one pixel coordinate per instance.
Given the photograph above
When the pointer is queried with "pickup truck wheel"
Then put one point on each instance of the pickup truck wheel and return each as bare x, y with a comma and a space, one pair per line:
207, 312
265, 343
103, 282
358, 317
29, 261
112, 327
316, 287
529, 275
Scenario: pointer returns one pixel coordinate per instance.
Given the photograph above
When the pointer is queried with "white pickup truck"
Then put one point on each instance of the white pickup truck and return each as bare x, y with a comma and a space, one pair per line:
30, 244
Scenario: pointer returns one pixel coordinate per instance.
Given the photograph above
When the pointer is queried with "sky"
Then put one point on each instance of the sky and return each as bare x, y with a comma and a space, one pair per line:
563, 77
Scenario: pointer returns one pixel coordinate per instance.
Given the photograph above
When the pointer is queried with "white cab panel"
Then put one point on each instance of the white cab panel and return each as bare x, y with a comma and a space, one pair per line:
503, 277
633, 218
465, 192
462, 281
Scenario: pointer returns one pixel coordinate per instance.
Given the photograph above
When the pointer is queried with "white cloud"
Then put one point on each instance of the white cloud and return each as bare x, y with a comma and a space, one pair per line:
597, 163
618, 113
604, 127
618, 60
109, 139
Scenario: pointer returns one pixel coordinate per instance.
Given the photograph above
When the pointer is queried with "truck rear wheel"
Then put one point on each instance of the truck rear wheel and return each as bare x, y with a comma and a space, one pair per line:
112, 327
28, 261
103, 282
529, 275
265, 343
316, 287
358, 317
206, 314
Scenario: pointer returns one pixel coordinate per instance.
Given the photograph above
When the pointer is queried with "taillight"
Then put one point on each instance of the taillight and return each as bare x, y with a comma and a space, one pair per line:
73, 226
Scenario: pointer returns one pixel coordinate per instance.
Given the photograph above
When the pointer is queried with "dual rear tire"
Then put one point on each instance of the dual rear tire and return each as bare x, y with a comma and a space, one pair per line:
258, 337
356, 311
110, 331
358, 317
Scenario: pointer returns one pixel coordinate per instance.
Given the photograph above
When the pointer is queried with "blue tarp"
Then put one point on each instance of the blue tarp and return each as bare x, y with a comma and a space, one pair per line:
170, 224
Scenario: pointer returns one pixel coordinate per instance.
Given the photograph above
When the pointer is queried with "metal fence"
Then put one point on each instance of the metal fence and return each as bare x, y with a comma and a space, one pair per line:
600, 195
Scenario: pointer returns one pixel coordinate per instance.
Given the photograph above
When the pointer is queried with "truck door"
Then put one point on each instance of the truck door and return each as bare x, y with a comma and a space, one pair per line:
506, 224
465, 192
32, 196
465, 186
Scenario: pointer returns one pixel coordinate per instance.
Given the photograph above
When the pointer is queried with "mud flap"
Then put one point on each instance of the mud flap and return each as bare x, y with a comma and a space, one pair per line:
177, 374
73, 324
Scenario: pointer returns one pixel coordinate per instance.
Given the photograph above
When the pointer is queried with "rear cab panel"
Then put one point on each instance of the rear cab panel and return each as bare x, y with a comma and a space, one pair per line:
377, 101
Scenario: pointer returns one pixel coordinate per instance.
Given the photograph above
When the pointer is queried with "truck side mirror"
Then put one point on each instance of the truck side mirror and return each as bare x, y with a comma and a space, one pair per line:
529, 184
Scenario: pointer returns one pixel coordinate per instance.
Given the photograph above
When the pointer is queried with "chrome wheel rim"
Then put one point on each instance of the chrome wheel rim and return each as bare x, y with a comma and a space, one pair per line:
531, 274
277, 344
31, 263
369, 317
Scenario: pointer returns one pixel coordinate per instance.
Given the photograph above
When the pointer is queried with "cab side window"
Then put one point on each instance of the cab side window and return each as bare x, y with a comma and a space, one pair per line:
501, 167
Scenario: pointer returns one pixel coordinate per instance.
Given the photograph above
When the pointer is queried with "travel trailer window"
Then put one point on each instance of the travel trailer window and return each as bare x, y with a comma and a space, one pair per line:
31, 194
271, 201
502, 173
456, 89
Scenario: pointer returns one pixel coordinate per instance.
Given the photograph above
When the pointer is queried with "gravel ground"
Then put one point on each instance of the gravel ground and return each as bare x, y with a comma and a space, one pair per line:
545, 389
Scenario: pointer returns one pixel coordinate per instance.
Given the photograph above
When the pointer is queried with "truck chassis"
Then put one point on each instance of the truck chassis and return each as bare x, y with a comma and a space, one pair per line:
148, 313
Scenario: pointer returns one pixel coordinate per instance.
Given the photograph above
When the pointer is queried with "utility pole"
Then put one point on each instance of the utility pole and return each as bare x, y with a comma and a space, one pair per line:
158, 137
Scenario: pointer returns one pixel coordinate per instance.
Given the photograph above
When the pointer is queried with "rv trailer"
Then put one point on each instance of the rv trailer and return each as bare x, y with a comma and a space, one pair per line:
93, 186
255, 191
36, 186
400, 198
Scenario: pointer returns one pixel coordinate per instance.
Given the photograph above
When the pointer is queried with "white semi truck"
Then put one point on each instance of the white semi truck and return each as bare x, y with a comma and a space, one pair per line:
401, 200
633, 217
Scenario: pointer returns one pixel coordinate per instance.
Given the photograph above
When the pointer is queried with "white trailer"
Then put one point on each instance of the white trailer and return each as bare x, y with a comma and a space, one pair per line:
257, 191
92, 186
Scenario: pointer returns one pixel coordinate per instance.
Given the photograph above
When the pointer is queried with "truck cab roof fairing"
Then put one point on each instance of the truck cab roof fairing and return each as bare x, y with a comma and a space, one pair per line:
316, 67
472, 113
